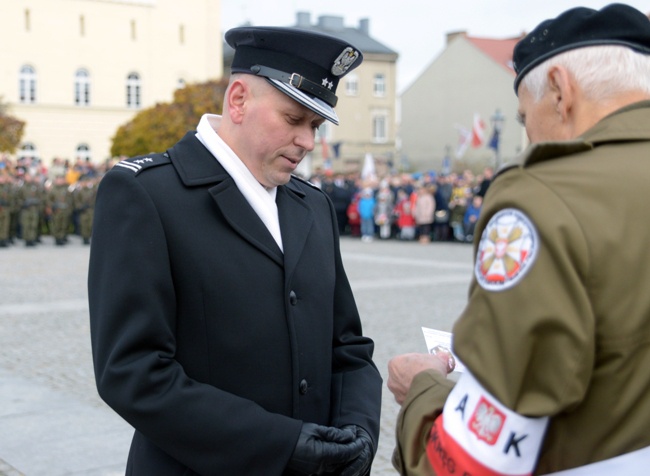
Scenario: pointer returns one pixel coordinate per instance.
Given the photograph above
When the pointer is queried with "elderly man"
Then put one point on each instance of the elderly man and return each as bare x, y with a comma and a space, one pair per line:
556, 333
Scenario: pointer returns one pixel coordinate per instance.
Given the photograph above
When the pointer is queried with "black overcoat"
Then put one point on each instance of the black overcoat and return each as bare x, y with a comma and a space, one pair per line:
212, 343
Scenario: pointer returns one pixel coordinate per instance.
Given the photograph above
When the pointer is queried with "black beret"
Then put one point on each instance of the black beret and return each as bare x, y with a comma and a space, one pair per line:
615, 24
303, 64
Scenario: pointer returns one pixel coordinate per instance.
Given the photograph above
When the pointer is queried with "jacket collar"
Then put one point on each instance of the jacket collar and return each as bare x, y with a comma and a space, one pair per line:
196, 166
630, 123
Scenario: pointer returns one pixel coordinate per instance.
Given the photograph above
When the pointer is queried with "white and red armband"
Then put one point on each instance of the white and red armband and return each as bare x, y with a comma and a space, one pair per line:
477, 435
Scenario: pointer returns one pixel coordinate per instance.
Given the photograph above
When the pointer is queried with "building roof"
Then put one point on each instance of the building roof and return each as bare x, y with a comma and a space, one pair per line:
333, 25
499, 50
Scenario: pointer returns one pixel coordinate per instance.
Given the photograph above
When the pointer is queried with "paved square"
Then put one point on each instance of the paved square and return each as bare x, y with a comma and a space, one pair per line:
52, 423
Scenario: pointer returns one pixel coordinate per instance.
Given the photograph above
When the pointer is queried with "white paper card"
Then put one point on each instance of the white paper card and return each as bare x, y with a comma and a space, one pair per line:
434, 338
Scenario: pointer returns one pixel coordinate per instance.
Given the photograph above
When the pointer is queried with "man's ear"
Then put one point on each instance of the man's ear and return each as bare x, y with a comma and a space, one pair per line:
235, 100
562, 88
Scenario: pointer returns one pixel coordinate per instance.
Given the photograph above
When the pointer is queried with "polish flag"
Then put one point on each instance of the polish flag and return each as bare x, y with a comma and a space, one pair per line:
324, 147
464, 139
478, 131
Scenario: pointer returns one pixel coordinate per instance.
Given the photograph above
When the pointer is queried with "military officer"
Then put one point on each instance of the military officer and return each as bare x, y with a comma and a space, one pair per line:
31, 200
59, 202
224, 329
14, 214
555, 335
84, 203
7, 203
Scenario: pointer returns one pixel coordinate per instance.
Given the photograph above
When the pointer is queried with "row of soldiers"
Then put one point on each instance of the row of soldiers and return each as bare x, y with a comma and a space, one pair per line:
30, 206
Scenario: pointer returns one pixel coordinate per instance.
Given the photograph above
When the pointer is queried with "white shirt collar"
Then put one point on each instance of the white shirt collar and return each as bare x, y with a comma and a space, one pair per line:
261, 199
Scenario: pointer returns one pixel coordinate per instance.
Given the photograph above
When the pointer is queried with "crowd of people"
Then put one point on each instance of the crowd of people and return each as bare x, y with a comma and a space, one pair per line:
55, 199
419, 207
58, 200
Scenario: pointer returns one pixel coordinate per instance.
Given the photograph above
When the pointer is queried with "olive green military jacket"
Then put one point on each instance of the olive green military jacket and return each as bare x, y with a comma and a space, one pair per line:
7, 196
30, 195
84, 197
557, 324
59, 198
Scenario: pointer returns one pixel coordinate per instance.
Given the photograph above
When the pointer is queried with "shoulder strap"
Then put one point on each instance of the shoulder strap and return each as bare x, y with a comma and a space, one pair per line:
143, 162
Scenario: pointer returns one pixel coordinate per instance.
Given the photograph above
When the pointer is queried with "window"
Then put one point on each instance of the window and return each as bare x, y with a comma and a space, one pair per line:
82, 26
83, 152
28, 20
133, 90
82, 88
27, 85
133, 30
181, 34
379, 85
380, 127
352, 84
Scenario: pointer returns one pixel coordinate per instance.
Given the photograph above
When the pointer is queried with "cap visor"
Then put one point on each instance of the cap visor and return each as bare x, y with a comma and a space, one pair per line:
315, 104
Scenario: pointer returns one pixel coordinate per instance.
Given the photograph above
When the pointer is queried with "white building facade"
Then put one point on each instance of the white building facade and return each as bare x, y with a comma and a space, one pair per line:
75, 70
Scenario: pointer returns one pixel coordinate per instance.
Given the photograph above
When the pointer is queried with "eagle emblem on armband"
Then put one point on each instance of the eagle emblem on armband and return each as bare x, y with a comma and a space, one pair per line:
487, 421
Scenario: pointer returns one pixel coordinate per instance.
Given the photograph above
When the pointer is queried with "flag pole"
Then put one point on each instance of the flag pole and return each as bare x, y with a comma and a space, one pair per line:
497, 121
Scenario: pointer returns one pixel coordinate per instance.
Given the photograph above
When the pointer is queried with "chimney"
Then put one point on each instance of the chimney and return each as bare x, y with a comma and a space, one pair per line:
330, 22
364, 26
452, 35
303, 19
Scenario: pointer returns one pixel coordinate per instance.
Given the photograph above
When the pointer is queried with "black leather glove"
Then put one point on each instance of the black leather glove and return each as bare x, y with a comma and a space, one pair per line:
322, 449
361, 465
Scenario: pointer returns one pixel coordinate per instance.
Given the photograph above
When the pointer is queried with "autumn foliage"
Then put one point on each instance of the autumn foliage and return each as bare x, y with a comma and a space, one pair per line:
11, 131
161, 126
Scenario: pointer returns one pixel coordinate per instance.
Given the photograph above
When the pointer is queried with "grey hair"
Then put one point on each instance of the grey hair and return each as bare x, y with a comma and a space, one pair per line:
602, 71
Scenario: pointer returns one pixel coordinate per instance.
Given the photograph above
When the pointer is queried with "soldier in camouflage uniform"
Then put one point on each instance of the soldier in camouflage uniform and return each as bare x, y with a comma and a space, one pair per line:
84, 203
59, 207
14, 212
31, 197
6, 205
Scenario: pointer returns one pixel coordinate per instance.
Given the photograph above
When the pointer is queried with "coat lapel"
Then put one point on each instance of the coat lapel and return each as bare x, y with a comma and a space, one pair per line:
197, 167
296, 219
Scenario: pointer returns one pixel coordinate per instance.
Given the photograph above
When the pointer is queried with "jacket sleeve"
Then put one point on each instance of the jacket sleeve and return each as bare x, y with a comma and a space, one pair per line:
525, 335
530, 340
423, 405
132, 317
356, 382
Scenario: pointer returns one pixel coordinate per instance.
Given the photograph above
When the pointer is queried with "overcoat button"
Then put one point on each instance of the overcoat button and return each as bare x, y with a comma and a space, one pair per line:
293, 299
303, 387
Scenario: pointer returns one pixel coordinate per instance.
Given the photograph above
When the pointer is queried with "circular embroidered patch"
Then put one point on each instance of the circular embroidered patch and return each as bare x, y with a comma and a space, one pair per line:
507, 250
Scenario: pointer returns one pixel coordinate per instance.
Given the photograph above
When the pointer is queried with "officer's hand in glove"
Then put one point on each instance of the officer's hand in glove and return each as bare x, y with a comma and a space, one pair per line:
322, 449
361, 465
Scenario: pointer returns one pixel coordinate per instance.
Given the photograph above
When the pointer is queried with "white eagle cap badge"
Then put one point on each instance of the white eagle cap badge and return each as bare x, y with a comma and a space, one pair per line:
344, 61
507, 250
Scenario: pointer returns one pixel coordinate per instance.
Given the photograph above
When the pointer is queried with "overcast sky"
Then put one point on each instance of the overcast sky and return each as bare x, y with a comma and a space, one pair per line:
415, 29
